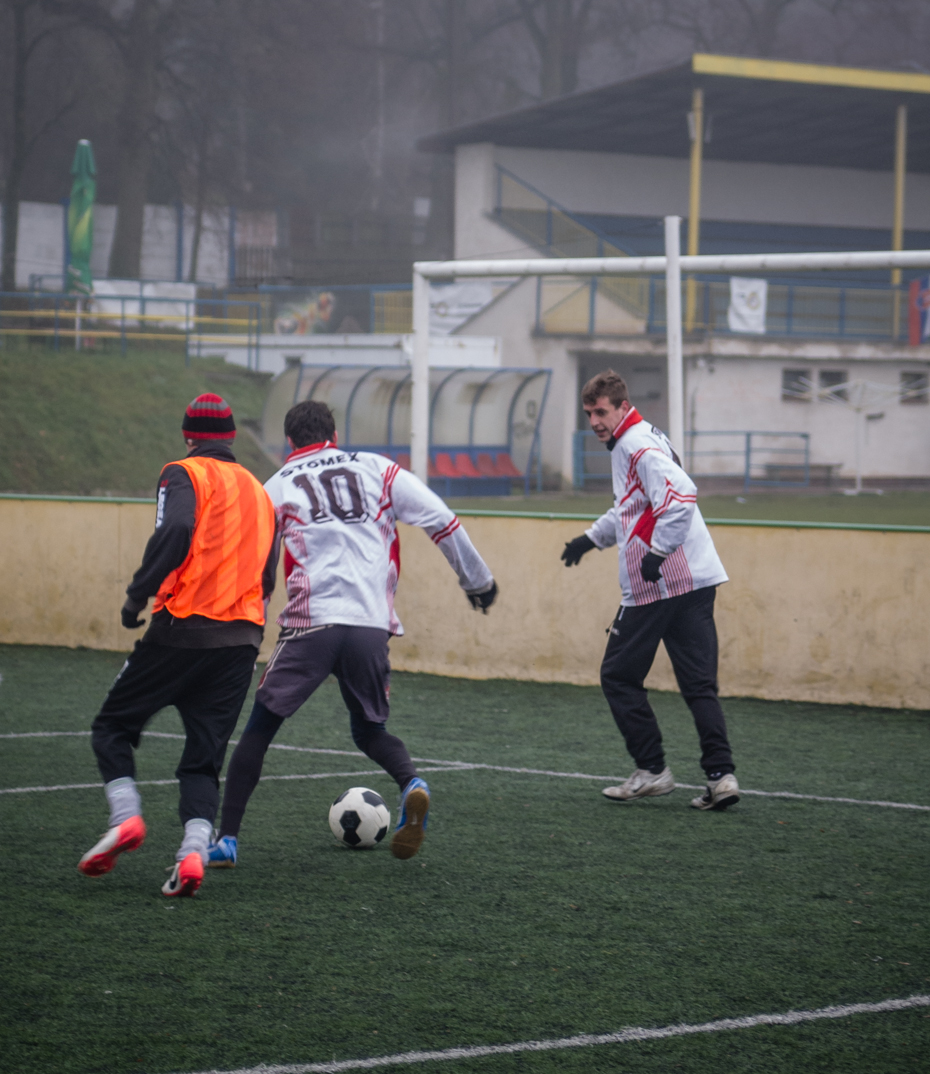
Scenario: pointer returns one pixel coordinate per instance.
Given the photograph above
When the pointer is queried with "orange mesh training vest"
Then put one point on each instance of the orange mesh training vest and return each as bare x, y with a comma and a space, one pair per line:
221, 578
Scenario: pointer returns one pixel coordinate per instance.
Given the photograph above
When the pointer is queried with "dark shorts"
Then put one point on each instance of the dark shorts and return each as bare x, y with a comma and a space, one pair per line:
357, 656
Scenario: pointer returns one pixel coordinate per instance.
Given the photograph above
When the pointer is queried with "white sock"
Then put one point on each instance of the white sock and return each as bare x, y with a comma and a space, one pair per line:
124, 800
197, 833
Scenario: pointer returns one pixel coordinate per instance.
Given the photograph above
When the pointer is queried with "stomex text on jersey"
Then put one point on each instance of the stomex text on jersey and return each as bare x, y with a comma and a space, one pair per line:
313, 464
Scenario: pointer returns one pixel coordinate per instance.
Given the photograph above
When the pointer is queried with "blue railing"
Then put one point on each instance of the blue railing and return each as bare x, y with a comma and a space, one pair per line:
772, 459
624, 305
794, 308
562, 232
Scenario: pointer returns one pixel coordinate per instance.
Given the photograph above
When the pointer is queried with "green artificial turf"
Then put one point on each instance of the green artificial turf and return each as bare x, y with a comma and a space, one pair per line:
536, 909
889, 509
98, 423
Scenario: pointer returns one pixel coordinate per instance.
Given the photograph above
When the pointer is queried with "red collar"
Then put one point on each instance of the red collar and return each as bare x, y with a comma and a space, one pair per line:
633, 417
310, 448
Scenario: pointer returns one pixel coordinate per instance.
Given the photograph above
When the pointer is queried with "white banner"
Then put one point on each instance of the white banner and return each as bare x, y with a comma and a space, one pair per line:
177, 313
452, 304
747, 305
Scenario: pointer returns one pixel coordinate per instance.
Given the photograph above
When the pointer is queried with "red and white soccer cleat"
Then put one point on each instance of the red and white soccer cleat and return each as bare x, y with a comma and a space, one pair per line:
100, 859
186, 877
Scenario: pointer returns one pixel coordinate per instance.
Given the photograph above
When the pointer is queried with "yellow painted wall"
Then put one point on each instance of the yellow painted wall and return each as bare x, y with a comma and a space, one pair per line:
809, 615
65, 566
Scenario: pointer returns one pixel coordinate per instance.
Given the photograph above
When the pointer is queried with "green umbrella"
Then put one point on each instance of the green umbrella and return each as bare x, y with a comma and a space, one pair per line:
81, 219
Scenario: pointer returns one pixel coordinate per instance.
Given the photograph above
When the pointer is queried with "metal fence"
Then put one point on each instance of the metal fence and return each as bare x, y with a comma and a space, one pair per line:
773, 459
590, 460
628, 306
84, 324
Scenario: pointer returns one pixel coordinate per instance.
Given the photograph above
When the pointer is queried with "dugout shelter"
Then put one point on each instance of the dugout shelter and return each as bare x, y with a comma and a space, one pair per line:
484, 422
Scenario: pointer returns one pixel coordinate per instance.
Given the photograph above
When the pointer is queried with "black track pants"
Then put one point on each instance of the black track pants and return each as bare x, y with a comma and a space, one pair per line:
686, 625
207, 686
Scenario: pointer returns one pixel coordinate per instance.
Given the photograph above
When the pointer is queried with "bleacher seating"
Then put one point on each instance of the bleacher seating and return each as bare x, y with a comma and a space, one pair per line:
464, 467
505, 466
471, 473
445, 467
485, 465
462, 471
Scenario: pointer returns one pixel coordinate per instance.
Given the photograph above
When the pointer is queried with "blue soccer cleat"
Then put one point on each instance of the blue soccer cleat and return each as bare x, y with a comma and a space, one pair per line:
414, 814
222, 854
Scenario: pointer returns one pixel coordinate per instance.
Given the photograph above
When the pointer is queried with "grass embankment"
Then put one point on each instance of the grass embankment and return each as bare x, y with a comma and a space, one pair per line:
536, 908
98, 424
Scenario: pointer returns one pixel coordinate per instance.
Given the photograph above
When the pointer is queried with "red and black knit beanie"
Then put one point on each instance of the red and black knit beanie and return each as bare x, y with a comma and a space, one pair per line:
208, 418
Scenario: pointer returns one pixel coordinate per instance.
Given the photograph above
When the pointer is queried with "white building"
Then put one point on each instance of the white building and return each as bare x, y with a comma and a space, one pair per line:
800, 157
167, 242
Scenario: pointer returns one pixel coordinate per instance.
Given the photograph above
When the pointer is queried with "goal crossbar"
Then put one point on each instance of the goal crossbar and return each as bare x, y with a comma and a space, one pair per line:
651, 266
671, 265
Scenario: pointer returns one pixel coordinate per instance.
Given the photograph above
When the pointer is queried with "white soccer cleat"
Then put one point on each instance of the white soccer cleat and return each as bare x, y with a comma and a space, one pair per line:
720, 794
642, 784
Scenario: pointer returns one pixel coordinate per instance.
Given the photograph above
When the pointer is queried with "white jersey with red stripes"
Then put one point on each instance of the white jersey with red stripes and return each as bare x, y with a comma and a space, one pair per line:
337, 514
655, 508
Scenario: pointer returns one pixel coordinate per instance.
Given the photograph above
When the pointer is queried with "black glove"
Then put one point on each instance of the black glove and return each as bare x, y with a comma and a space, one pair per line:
483, 600
575, 549
129, 614
649, 568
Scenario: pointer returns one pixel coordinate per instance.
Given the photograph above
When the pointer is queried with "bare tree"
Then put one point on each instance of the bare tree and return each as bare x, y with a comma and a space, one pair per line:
751, 27
889, 33
438, 50
557, 30
139, 31
29, 31
199, 133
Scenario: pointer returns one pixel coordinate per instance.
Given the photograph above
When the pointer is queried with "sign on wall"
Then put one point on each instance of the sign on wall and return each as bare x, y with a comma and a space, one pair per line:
315, 311
452, 304
748, 300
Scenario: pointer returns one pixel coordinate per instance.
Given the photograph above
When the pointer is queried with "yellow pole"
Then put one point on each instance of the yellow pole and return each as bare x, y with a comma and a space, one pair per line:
694, 201
897, 227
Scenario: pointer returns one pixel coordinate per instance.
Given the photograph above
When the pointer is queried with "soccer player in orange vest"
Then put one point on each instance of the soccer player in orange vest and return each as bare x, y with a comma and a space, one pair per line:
210, 566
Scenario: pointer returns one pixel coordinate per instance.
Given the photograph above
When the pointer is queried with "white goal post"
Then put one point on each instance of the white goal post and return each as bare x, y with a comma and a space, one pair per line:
672, 264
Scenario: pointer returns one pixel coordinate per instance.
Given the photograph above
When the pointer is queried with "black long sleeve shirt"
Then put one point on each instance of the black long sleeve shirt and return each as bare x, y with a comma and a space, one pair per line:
167, 548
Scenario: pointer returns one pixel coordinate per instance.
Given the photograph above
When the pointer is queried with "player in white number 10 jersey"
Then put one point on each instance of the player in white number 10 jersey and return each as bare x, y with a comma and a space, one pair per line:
337, 512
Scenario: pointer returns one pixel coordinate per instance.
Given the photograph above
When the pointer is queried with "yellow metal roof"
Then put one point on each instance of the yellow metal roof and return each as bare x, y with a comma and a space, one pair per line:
770, 111
811, 74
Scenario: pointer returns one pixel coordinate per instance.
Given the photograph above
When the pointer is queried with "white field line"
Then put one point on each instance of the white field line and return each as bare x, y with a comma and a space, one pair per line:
448, 766
232, 742
172, 782
588, 1040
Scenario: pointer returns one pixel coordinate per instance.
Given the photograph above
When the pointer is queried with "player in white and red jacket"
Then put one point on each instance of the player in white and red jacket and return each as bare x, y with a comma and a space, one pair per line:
655, 511
669, 571
337, 514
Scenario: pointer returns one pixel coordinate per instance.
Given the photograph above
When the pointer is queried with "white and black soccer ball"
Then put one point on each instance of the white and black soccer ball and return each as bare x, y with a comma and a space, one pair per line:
359, 818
